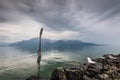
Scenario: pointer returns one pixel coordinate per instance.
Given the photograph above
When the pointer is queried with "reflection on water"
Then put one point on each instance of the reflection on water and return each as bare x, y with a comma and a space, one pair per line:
18, 65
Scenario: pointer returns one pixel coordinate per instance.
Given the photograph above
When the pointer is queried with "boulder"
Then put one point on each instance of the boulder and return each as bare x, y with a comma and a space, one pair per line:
35, 78
69, 73
105, 68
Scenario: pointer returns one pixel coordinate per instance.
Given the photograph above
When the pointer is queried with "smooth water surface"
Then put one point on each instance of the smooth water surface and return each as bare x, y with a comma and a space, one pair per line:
18, 65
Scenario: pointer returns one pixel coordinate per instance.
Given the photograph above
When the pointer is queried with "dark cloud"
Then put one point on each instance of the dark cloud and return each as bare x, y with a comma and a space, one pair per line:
90, 18
57, 14
2, 19
109, 13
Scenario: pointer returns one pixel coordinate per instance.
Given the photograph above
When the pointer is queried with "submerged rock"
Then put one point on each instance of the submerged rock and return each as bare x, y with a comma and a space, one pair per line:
68, 73
34, 78
105, 68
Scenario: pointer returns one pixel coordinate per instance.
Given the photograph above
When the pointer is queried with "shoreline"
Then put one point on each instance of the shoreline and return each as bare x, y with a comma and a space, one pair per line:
105, 68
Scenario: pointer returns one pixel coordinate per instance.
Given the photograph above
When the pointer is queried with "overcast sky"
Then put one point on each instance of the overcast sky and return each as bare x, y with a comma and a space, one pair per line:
88, 20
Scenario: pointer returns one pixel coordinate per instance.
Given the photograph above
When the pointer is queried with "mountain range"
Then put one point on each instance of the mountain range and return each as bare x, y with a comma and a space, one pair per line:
47, 44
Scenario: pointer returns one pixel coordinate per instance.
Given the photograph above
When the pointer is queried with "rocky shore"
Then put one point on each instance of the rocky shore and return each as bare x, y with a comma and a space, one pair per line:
105, 68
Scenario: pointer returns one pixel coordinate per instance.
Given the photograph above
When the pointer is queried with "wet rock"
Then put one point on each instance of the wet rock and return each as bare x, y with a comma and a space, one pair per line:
59, 74
34, 78
104, 77
67, 73
85, 77
99, 60
105, 68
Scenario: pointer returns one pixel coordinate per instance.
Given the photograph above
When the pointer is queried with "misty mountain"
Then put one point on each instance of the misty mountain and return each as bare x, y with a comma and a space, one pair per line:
47, 44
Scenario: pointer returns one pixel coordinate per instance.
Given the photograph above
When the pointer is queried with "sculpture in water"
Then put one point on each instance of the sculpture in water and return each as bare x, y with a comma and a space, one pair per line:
39, 53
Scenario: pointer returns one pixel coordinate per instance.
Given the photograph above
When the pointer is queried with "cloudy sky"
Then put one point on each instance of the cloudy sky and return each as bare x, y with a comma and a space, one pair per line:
88, 20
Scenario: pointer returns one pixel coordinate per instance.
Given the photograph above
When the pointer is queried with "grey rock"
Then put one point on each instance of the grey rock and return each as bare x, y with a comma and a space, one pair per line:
107, 68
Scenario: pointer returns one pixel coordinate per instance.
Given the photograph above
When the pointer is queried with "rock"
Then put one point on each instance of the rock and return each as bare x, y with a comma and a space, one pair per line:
104, 77
106, 68
85, 77
99, 60
67, 73
34, 78
95, 66
109, 56
58, 74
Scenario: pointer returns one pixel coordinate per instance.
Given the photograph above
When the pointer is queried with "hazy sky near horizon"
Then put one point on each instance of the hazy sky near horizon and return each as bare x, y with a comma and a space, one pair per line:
88, 20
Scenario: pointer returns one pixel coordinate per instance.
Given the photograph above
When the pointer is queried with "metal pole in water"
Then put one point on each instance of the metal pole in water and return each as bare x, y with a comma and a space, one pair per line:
39, 53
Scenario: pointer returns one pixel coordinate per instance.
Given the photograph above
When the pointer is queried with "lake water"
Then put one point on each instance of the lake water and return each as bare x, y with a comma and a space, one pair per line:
16, 64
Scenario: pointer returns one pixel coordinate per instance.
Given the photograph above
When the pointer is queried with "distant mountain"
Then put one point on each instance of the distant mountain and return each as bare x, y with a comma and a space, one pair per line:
32, 44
